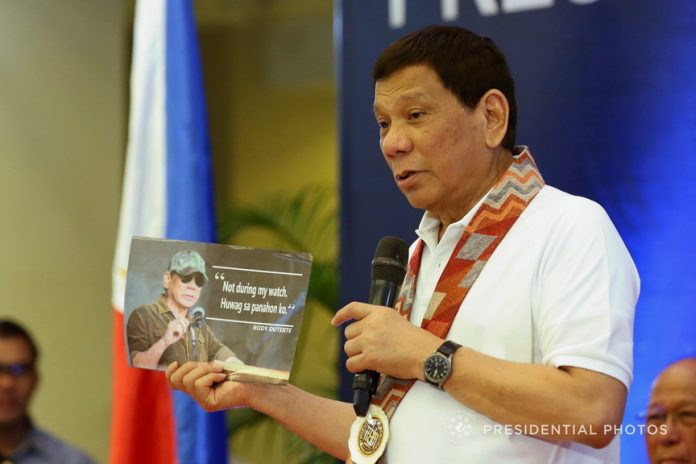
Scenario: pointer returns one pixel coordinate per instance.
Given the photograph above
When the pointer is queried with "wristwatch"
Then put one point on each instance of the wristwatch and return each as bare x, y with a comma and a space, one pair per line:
437, 367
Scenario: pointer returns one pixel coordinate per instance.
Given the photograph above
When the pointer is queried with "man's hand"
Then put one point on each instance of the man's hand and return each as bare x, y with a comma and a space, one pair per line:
151, 357
383, 341
208, 385
175, 330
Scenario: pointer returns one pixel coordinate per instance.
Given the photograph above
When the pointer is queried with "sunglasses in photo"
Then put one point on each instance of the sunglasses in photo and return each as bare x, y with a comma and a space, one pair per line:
197, 276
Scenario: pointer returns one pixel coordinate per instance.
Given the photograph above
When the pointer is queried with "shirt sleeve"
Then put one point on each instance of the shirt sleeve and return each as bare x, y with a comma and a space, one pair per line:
136, 333
588, 290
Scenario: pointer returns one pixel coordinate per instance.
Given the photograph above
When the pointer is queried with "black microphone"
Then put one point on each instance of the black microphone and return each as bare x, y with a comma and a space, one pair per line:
198, 315
198, 319
388, 272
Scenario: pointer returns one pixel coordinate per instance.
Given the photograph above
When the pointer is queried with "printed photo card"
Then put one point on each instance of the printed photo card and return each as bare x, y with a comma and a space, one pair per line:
236, 306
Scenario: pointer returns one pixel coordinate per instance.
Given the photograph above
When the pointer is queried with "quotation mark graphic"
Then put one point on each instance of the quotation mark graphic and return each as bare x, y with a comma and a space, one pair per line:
219, 276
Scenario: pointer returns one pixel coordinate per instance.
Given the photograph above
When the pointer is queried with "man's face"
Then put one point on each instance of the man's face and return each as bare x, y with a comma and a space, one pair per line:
183, 291
435, 147
18, 379
672, 408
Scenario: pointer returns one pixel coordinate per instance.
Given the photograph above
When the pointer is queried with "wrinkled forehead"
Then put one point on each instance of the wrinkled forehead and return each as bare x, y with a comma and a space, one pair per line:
407, 78
15, 349
675, 386
383, 103
410, 86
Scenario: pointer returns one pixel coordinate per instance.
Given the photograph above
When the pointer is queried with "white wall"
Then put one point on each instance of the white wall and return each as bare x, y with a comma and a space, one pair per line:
63, 112
61, 153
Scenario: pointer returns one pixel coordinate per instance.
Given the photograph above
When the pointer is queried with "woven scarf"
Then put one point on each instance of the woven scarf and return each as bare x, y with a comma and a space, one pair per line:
503, 205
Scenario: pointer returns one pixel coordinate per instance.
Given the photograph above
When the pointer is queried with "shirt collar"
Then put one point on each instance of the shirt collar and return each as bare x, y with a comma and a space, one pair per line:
429, 227
162, 305
33, 444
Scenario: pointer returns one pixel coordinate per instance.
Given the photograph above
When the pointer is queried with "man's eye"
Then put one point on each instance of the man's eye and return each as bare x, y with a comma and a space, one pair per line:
687, 417
415, 114
383, 124
655, 417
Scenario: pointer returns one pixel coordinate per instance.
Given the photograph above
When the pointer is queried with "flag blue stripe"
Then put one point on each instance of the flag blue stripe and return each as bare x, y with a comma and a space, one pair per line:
201, 436
189, 177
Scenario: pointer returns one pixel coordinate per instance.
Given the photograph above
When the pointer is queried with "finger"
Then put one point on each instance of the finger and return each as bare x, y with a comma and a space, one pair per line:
354, 310
356, 363
353, 330
200, 370
202, 386
177, 329
176, 377
170, 369
352, 347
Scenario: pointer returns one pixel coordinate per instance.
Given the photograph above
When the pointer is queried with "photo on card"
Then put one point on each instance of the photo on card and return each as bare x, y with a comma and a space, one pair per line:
236, 306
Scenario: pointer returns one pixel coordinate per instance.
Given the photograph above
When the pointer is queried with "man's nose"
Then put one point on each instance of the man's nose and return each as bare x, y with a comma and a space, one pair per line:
7, 379
397, 141
672, 432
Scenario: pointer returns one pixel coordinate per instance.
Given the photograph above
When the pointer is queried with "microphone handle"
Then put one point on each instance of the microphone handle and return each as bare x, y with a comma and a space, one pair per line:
383, 293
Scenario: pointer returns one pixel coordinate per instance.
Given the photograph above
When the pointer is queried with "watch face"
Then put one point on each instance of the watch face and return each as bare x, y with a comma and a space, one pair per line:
437, 368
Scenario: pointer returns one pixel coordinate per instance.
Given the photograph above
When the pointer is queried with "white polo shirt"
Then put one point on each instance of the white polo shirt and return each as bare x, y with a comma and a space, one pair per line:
560, 290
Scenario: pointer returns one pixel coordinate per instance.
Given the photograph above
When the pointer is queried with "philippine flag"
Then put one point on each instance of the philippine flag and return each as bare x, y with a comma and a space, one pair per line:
167, 193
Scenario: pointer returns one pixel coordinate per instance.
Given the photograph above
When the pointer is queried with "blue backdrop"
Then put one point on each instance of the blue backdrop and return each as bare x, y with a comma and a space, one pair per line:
607, 101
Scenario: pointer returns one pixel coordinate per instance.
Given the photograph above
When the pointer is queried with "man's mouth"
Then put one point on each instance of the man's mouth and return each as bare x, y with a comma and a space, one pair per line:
403, 175
8, 403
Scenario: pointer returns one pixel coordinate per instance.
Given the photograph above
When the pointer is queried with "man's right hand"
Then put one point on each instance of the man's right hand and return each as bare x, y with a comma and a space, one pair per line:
175, 330
208, 385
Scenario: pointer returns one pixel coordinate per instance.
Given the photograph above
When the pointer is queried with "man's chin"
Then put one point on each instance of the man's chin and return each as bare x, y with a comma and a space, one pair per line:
10, 418
416, 201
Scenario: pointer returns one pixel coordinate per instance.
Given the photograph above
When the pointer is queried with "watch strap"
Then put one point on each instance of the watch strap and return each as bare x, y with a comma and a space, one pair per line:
448, 348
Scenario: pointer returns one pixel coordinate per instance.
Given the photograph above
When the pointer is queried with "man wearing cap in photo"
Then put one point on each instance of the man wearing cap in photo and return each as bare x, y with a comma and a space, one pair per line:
159, 334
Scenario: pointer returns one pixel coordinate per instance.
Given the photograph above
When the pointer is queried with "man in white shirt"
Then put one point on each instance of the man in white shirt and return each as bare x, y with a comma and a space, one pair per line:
521, 294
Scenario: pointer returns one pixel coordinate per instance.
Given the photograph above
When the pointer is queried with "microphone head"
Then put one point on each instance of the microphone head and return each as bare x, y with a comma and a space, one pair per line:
198, 312
391, 257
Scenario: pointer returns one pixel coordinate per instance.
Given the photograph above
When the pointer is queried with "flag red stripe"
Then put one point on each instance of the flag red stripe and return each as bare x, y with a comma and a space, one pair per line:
142, 422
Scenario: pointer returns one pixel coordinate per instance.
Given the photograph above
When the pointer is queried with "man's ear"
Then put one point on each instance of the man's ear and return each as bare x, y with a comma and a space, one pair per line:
167, 279
497, 111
